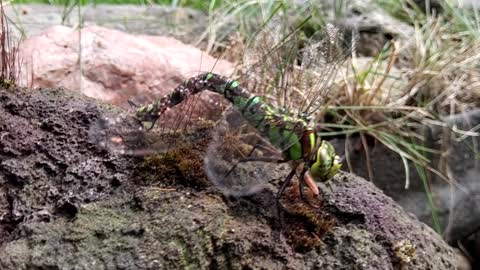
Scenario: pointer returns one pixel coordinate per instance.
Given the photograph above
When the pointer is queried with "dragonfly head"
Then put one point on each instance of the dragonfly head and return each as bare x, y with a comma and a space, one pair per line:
326, 163
145, 115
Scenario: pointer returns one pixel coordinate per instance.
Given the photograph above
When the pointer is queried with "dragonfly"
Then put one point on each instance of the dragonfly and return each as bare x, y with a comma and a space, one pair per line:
273, 115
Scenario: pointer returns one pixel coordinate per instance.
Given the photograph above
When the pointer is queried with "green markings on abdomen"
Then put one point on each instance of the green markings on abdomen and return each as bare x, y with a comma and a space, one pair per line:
279, 128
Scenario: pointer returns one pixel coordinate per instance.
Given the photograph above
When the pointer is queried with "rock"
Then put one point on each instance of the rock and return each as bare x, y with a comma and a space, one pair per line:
63, 208
182, 23
462, 157
116, 66
463, 201
44, 135
372, 25
464, 219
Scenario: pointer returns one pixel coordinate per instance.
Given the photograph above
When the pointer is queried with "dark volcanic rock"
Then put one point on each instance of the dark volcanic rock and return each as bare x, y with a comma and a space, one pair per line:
47, 164
68, 204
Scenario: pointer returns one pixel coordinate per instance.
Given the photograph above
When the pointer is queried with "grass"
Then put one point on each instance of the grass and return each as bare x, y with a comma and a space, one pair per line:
381, 98
442, 80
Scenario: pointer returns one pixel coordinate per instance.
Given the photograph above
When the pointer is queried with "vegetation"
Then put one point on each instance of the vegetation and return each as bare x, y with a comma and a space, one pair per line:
10, 63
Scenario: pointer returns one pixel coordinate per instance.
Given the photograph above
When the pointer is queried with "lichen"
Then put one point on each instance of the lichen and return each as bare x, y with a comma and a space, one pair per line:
405, 251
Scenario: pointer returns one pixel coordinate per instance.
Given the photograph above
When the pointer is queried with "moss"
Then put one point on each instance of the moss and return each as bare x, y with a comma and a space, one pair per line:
305, 225
181, 166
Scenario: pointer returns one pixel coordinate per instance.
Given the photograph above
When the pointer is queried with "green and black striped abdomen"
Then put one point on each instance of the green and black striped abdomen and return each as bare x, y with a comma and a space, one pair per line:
283, 130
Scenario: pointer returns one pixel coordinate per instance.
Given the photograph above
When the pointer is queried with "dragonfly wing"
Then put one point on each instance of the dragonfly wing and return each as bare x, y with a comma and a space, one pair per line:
324, 54
234, 140
121, 133
117, 132
293, 71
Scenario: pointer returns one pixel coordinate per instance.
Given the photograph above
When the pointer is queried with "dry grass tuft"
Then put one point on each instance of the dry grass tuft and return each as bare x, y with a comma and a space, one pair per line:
10, 63
392, 103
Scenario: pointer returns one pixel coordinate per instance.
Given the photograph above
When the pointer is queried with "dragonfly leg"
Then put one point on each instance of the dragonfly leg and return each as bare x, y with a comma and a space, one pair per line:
285, 183
301, 183
132, 104
250, 158
263, 145
264, 159
261, 159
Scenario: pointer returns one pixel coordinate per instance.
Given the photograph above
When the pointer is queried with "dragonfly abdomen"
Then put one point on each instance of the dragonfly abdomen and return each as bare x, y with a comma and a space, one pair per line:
282, 129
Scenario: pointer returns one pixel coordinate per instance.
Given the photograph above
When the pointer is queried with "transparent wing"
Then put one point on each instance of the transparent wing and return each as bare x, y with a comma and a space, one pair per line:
234, 140
293, 71
324, 54
121, 133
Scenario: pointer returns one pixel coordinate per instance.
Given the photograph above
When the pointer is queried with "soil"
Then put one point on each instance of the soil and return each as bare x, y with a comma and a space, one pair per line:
67, 203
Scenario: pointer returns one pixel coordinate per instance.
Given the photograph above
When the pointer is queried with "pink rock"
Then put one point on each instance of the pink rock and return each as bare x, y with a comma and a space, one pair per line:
116, 66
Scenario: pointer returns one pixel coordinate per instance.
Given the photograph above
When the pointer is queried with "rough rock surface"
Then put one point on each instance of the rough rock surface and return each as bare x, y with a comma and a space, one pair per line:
69, 204
116, 66
374, 27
